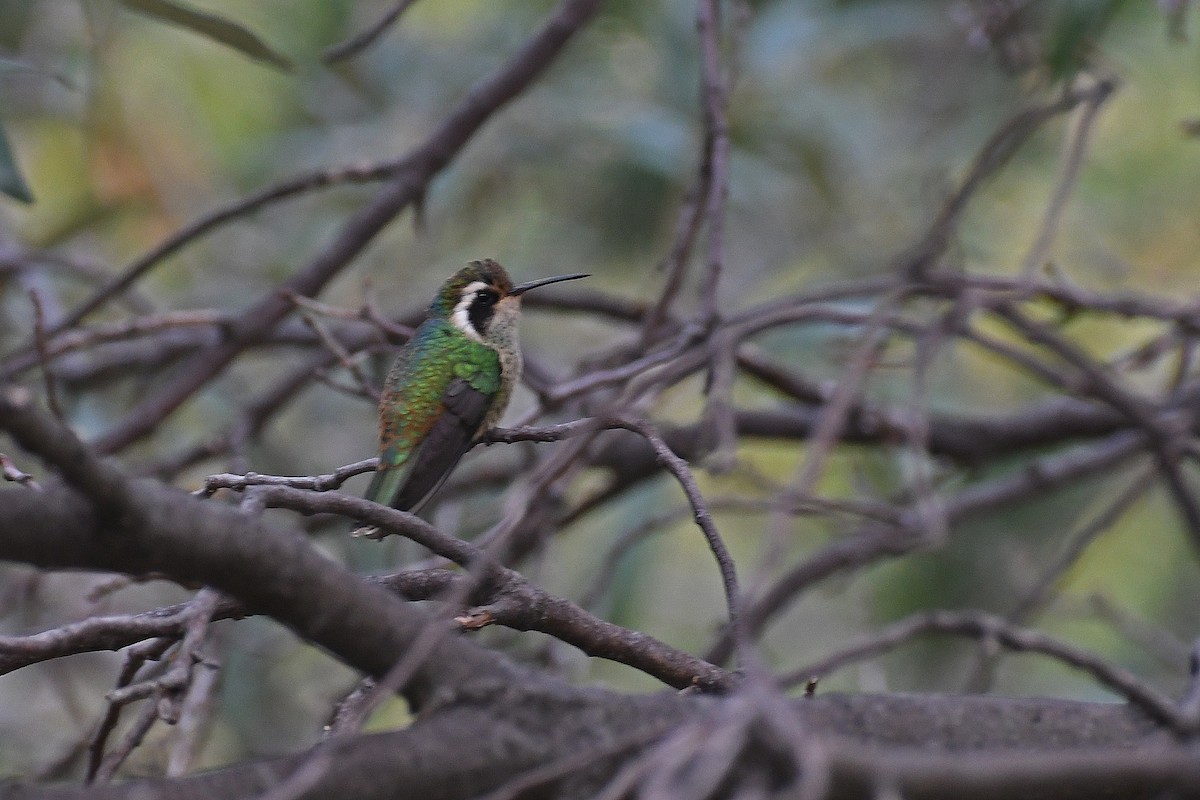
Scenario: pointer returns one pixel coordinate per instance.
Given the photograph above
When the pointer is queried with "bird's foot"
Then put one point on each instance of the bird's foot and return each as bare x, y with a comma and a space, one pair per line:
367, 532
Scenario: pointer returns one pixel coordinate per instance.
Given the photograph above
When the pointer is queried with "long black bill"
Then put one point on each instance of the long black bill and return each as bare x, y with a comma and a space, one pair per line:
522, 288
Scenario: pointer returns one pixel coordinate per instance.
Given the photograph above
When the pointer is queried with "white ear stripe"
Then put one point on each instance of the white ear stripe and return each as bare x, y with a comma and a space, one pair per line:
461, 315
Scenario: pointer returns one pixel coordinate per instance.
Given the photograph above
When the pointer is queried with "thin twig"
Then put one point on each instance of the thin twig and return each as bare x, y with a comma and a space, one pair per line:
195, 717
1036, 597
715, 100
75, 339
43, 351
348, 362
135, 657
316, 483
365, 38
1162, 431
994, 154
830, 422
1074, 149
989, 626
876, 542
405, 187
703, 517
678, 258
129, 742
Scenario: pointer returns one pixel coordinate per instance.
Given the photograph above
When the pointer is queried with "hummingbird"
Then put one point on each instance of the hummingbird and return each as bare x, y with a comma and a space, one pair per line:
450, 383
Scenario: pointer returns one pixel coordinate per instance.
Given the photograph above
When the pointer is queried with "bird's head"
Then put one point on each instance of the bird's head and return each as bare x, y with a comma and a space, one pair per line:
481, 300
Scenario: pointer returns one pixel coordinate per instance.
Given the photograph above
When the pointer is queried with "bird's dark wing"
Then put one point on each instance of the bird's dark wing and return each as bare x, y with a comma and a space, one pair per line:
463, 411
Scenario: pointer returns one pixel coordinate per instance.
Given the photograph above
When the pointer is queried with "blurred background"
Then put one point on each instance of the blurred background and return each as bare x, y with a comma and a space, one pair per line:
850, 123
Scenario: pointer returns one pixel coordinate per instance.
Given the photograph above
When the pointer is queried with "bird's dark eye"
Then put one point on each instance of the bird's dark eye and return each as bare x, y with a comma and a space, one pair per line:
482, 308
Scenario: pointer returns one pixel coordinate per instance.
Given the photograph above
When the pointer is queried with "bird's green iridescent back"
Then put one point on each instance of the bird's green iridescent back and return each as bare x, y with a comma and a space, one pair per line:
412, 398
450, 383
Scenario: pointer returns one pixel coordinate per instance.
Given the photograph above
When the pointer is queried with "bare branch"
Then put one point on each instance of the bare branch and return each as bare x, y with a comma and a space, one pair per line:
1074, 148
1039, 594
404, 187
703, 517
715, 98
364, 39
43, 352
876, 542
194, 540
1001, 147
988, 626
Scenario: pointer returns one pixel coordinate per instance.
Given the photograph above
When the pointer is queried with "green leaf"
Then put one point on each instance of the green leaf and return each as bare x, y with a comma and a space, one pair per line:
212, 27
11, 182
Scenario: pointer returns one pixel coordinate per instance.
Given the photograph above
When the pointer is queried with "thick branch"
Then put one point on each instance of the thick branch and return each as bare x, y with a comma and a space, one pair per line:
923, 746
273, 570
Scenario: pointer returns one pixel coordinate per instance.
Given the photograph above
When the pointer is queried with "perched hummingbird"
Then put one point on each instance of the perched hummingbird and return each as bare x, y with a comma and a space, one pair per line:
450, 383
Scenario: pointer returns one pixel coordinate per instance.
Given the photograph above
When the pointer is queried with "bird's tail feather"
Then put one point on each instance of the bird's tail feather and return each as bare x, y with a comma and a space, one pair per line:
384, 486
